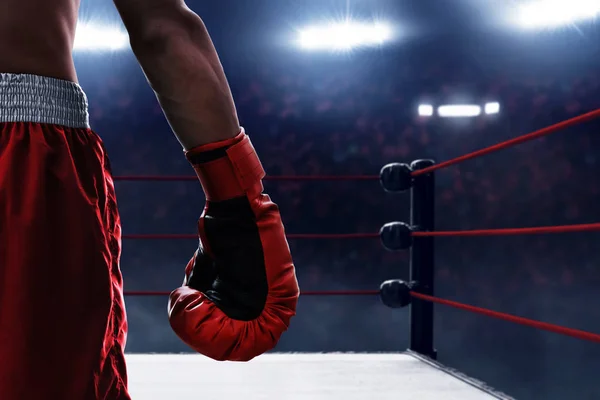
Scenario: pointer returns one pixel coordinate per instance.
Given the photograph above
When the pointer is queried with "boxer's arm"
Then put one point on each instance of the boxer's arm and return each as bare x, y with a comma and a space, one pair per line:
241, 289
181, 64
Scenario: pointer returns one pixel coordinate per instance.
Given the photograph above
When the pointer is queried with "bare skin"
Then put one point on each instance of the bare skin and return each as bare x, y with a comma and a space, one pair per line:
169, 40
181, 64
25, 29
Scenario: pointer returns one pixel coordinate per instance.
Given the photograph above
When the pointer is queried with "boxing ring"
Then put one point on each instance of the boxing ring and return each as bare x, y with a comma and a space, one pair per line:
415, 372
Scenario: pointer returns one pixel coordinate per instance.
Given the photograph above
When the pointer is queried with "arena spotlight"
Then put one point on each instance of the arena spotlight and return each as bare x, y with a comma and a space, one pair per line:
492, 108
552, 13
94, 37
344, 36
425, 110
459, 110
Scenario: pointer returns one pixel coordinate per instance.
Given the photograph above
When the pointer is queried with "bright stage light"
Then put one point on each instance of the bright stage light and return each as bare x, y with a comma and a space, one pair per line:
425, 110
93, 37
492, 108
344, 36
551, 13
459, 110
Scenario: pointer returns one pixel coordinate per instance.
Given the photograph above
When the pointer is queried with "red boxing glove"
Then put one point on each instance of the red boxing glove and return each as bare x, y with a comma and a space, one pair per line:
240, 290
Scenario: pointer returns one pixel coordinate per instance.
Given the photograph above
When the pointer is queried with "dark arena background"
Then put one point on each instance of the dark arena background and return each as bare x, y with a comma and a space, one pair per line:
328, 87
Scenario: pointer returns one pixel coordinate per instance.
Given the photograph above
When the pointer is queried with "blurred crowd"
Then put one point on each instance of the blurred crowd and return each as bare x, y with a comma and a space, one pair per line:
353, 116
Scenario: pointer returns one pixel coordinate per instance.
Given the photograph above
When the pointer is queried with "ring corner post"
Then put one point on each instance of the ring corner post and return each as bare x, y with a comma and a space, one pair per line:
422, 218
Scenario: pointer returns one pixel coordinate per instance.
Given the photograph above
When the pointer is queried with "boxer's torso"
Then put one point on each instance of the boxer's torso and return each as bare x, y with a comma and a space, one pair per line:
36, 37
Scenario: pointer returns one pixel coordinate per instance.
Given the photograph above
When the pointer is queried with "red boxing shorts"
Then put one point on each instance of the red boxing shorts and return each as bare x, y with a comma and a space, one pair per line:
62, 315
240, 290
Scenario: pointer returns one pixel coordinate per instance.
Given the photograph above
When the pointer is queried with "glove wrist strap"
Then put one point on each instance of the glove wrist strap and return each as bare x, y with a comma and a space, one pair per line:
228, 169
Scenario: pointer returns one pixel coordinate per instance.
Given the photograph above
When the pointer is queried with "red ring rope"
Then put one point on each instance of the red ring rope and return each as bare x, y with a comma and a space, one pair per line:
487, 150
538, 230
289, 236
545, 326
576, 333
512, 142
304, 293
267, 178
478, 232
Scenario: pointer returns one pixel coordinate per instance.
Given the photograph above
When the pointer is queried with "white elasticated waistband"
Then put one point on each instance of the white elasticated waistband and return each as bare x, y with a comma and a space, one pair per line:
32, 98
